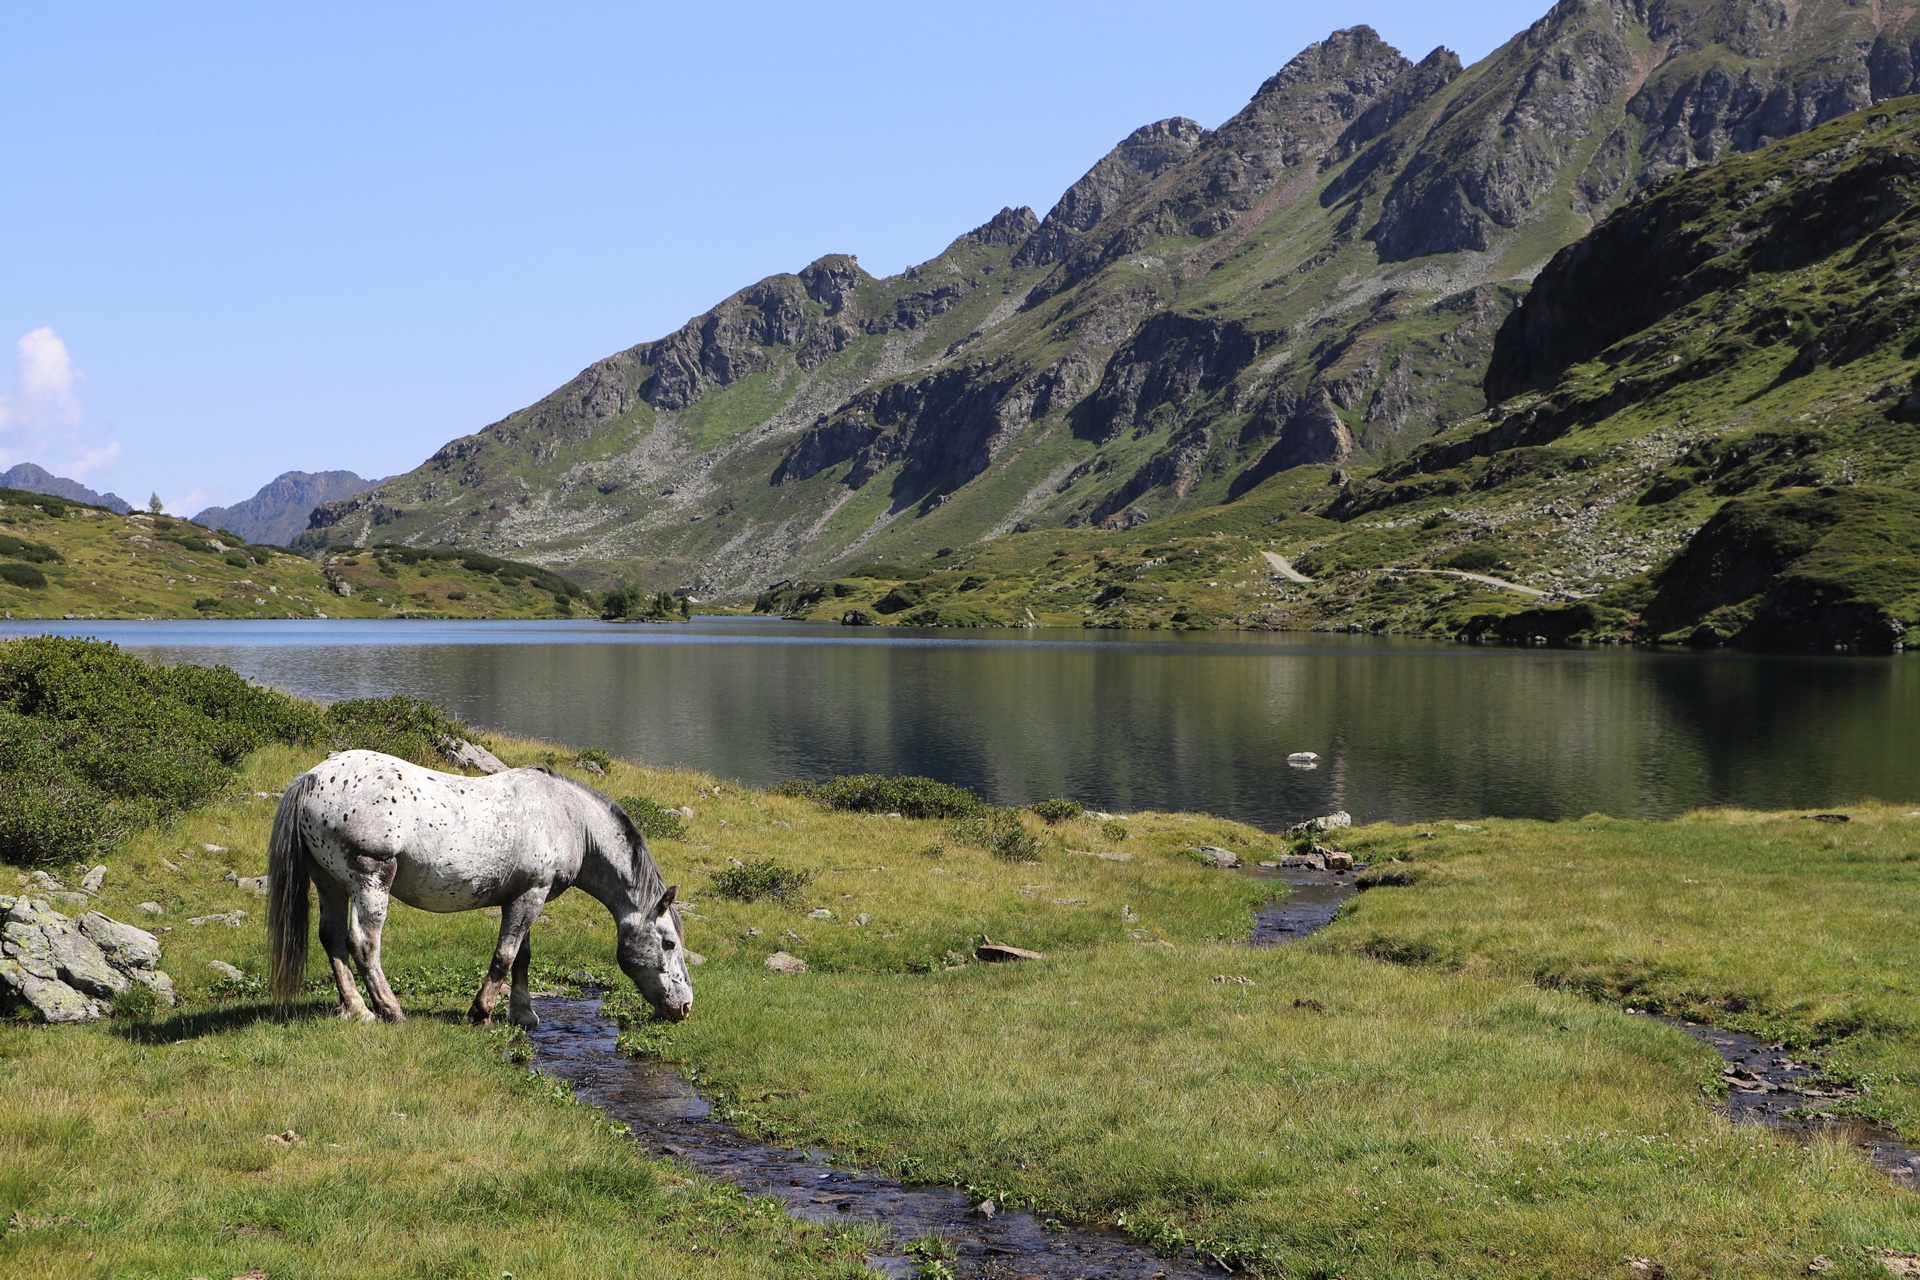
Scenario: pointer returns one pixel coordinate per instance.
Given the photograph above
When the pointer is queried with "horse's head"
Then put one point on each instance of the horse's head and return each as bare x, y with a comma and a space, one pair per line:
654, 955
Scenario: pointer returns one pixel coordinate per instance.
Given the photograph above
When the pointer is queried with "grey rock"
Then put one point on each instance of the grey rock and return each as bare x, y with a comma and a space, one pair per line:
1328, 822
1303, 862
1217, 856
225, 970
92, 881
782, 962
819, 913
67, 970
253, 884
231, 919
862, 919
472, 755
151, 908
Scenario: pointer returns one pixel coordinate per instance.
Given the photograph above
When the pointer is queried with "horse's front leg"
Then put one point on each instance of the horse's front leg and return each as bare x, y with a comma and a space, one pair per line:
516, 922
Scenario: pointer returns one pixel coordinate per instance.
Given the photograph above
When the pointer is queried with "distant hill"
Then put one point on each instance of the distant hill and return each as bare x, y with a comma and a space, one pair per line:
278, 513
32, 479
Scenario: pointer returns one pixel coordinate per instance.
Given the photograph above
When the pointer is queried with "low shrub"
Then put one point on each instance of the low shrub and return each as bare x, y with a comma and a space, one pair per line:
21, 549
1475, 559
400, 726
1055, 812
22, 575
1000, 832
94, 742
1114, 830
654, 821
760, 878
595, 756
908, 796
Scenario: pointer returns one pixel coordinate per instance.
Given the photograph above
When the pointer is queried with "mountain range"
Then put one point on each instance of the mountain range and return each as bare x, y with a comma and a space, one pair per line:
1332, 278
29, 478
279, 512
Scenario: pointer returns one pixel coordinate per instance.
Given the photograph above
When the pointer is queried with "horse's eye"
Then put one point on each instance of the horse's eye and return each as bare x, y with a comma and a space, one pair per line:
668, 944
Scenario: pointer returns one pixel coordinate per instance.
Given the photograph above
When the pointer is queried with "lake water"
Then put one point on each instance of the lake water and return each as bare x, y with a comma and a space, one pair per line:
1407, 730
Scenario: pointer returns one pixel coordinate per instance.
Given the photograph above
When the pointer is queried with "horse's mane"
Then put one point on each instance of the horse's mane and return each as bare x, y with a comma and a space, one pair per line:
646, 872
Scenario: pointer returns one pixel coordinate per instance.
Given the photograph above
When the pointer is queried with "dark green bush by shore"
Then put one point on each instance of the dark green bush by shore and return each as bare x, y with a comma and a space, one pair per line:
910, 797
95, 742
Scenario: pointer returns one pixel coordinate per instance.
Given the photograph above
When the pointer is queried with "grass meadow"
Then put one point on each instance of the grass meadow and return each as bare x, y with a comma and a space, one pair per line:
1443, 1083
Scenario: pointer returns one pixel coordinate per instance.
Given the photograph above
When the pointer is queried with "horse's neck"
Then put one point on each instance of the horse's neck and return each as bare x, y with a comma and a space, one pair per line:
609, 870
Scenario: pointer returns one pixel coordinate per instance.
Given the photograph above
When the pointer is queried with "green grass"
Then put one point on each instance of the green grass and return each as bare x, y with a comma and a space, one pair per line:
1444, 1082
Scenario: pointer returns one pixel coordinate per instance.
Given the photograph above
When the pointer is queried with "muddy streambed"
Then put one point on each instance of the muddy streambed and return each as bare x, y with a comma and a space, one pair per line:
576, 1043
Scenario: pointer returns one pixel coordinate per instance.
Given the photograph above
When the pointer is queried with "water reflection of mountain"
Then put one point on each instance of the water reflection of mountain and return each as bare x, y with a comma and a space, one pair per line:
1407, 730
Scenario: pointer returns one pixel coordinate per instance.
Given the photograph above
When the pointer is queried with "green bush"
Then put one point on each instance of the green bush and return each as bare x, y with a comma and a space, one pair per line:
655, 822
94, 742
1055, 812
1115, 830
910, 797
595, 756
400, 726
1001, 832
21, 549
23, 575
760, 878
1474, 559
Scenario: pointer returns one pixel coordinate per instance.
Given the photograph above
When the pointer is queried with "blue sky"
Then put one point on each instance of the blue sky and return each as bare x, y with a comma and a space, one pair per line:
238, 240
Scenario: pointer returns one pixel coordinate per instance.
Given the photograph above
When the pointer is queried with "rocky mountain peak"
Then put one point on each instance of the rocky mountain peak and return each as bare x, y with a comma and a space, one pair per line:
1120, 176
1005, 229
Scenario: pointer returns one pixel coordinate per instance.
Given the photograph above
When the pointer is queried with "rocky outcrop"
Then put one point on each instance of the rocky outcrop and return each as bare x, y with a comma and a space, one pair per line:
1171, 359
69, 970
1120, 176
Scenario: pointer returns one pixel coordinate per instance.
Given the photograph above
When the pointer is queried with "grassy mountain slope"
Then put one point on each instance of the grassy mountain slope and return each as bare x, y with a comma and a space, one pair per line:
67, 559
1318, 281
1706, 430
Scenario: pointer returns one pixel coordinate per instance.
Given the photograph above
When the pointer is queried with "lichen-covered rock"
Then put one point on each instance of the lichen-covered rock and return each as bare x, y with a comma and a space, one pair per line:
68, 970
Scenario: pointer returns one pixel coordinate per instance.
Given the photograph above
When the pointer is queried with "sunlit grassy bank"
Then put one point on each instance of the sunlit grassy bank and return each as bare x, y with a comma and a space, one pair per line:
1443, 1083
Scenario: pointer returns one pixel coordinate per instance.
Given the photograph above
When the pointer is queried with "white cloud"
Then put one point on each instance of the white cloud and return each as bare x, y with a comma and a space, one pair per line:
42, 419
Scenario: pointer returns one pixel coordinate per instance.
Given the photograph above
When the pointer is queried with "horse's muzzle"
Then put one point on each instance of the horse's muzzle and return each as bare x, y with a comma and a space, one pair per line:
674, 1012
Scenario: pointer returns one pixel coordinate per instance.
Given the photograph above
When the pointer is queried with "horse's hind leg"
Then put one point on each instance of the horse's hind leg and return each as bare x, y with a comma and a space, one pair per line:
369, 917
334, 935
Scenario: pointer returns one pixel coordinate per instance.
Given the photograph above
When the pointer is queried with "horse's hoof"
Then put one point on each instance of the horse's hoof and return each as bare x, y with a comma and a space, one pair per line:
481, 1024
526, 1021
356, 1015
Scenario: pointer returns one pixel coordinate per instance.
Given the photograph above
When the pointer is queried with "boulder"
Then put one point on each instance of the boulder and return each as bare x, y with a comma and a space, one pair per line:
1327, 822
231, 919
1304, 862
1337, 861
68, 970
1217, 856
781, 962
472, 755
222, 969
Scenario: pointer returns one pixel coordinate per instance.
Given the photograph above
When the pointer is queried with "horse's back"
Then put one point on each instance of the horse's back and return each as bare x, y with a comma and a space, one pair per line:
456, 843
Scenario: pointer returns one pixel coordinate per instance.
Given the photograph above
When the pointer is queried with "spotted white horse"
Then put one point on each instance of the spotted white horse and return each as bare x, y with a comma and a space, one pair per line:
364, 828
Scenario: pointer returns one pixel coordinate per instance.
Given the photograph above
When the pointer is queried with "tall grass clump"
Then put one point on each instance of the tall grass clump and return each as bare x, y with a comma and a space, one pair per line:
759, 878
655, 822
910, 797
1000, 832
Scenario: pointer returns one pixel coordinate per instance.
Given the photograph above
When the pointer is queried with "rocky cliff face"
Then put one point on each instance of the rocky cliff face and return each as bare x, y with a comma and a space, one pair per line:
1318, 280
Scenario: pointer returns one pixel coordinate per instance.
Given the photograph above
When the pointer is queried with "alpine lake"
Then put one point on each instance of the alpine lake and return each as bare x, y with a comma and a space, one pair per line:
1405, 730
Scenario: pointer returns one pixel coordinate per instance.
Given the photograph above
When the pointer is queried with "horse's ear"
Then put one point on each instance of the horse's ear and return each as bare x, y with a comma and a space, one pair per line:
666, 900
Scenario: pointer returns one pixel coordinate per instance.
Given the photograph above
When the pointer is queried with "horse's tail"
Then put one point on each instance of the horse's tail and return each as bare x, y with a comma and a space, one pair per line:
287, 899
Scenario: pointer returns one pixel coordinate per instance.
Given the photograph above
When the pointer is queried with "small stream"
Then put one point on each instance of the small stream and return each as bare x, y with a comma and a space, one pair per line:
576, 1043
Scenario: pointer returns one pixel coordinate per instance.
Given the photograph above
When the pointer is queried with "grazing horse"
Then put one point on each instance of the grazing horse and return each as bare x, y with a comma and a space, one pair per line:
365, 827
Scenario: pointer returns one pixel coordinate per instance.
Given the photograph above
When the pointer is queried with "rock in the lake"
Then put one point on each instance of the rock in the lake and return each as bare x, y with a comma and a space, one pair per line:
225, 970
472, 755
1338, 861
781, 962
67, 970
1217, 856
